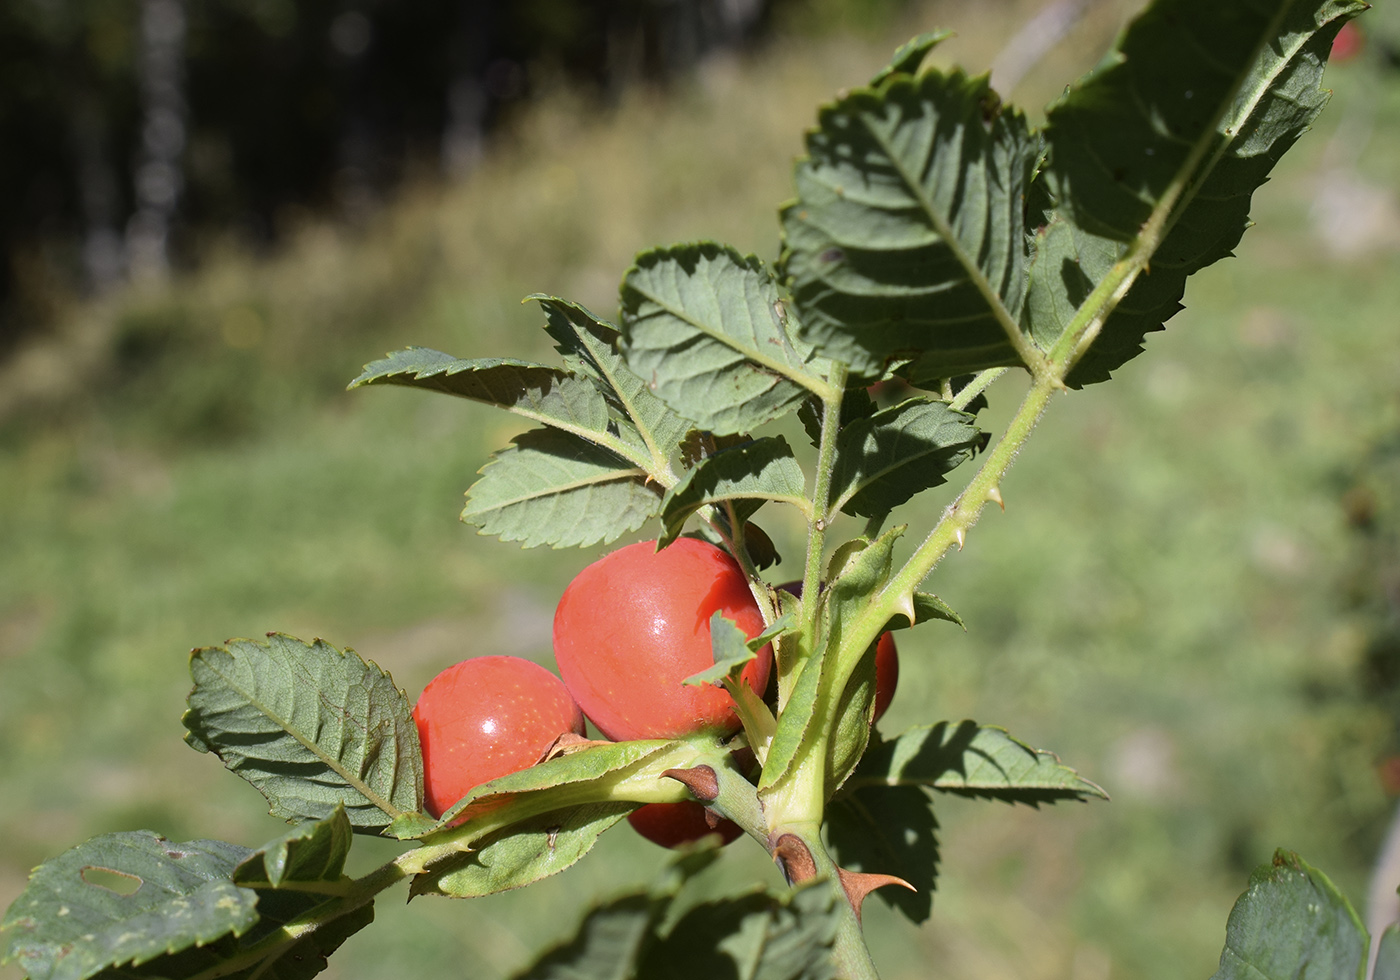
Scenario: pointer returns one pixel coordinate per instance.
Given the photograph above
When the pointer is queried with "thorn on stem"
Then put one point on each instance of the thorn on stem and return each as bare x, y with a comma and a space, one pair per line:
700, 780
994, 495
858, 884
961, 536
795, 859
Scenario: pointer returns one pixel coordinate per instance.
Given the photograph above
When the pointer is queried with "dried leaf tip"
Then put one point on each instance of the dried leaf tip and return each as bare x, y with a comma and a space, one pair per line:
858, 884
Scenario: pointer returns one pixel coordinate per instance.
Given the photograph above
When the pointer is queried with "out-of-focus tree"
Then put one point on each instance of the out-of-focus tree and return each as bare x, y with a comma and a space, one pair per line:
128, 126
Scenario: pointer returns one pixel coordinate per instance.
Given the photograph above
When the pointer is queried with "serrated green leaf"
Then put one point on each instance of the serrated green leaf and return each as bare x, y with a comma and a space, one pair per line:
886, 458
606, 946
969, 759
754, 937
907, 238
523, 854
706, 328
731, 650
747, 476
910, 55
611, 937
889, 830
926, 606
313, 852
71, 923
310, 726
552, 488
590, 346
1155, 155
1292, 924
533, 391
856, 403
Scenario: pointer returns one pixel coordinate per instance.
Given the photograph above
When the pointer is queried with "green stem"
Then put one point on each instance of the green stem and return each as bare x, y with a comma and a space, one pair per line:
816, 532
849, 951
964, 512
975, 387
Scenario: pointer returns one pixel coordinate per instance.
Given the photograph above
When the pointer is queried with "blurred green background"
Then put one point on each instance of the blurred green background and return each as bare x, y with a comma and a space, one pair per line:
1192, 596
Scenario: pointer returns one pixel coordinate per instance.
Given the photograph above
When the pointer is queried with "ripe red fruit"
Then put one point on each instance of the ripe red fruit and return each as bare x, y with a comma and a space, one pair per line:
674, 824
636, 623
1348, 43
886, 672
485, 718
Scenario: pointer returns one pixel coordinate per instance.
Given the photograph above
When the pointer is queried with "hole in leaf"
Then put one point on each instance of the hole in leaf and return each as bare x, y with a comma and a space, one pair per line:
114, 881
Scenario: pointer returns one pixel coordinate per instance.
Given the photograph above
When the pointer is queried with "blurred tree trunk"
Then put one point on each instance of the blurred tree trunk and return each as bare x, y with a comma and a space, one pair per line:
159, 177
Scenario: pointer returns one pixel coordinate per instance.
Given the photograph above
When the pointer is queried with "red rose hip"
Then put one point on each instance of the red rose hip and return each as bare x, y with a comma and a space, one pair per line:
485, 718
674, 824
636, 623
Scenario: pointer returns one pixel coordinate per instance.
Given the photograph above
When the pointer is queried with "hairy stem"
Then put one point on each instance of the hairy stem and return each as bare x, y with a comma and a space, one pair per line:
816, 530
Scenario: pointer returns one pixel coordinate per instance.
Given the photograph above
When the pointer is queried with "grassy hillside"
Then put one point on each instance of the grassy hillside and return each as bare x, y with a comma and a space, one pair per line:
1164, 602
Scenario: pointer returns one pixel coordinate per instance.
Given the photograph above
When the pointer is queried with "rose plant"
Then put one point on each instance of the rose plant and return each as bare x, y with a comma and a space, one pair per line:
936, 240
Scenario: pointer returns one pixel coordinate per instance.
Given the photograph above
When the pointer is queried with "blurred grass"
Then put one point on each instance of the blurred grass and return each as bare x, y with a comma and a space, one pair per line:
1161, 604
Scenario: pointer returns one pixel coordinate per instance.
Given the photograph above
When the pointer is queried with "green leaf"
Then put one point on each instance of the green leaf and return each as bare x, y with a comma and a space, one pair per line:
705, 326
907, 238
534, 391
313, 852
582, 776
606, 946
926, 606
310, 726
1154, 157
553, 488
883, 460
590, 347
910, 55
731, 650
972, 760
1292, 924
889, 830
523, 854
748, 475
1388, 956
755, 937
856, 403
612, 936
125, 899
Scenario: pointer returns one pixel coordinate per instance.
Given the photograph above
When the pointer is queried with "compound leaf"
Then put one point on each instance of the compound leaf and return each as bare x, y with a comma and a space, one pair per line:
590, 347
523, 854
553, 488
884, 459
706, 328
1292, 924
889, 830
310, 726
126, 899
1155, 155
746, 475
907, 238
969, 759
